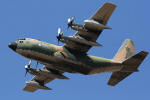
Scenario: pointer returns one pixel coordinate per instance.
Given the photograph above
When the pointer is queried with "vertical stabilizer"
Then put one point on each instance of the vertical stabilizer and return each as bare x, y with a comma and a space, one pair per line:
125, 51
129, 62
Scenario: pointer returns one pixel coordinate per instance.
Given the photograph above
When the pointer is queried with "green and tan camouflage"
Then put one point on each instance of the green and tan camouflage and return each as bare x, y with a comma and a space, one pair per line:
66, 60
73, 57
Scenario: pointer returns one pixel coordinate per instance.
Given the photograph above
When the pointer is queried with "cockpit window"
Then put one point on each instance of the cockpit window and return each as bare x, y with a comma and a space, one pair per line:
22, 39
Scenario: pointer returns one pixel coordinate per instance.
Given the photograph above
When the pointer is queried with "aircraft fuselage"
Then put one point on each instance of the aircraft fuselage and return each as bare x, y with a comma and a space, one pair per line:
62, 58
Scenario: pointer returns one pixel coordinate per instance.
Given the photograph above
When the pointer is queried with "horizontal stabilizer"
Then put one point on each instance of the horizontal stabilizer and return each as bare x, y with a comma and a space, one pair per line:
130, 65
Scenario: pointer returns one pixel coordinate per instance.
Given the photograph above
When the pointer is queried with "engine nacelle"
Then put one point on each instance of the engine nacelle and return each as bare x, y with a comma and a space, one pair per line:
79, 28
67, 40
46, 72
37, 85
94, 25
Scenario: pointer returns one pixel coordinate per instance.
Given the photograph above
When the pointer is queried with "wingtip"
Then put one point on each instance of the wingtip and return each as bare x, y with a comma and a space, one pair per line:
145, 52
110, 3
110, 84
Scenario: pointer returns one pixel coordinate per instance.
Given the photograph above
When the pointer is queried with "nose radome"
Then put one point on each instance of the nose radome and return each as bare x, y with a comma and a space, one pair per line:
13, 46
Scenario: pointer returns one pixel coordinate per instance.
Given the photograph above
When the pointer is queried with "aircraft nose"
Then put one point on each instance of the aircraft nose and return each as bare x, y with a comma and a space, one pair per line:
13, 46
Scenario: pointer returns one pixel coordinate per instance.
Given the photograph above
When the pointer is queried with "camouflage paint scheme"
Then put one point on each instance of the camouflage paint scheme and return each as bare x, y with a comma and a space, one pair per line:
73, 57
66, 60
61, 58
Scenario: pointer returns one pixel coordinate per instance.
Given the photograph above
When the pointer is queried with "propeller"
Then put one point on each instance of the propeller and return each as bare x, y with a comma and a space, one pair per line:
37, 64
27, 67
60, 34
70, 21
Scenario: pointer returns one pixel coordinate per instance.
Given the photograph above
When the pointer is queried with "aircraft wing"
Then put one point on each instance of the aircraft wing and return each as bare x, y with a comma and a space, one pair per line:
31, 88
42, 77
104, 13
101, 16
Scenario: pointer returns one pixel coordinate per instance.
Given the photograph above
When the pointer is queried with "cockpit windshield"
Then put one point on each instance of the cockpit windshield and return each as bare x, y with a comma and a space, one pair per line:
22, 39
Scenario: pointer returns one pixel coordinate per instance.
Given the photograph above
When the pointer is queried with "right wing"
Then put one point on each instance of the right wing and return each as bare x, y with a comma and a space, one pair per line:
43, 77
100, 17
31, 88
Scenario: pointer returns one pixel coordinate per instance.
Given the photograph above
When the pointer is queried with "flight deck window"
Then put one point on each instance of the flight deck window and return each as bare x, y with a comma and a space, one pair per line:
20, 41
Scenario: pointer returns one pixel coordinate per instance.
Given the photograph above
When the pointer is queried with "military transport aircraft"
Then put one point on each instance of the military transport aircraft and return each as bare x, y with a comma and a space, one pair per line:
73, 57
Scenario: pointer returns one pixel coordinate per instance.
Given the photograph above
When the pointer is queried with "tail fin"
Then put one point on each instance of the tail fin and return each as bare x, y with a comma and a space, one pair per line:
125, 51
129, 66
129, 60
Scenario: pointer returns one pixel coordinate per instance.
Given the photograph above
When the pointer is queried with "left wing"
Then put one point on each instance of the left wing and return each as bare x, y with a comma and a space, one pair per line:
92, 29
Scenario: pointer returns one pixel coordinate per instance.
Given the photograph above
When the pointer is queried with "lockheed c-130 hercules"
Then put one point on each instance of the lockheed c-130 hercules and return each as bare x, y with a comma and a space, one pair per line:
73, 57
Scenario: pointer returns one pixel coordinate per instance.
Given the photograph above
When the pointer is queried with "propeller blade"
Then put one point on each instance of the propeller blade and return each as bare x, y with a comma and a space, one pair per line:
58, 39
58, 42
59, 31
69, 20
37, 64
27, 67
30, 62
26, 73
59, 36
73, 18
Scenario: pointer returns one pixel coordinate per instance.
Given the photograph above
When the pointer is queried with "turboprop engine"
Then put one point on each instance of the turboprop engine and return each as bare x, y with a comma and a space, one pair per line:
90, 25
67, 39
94, 25
44, 72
